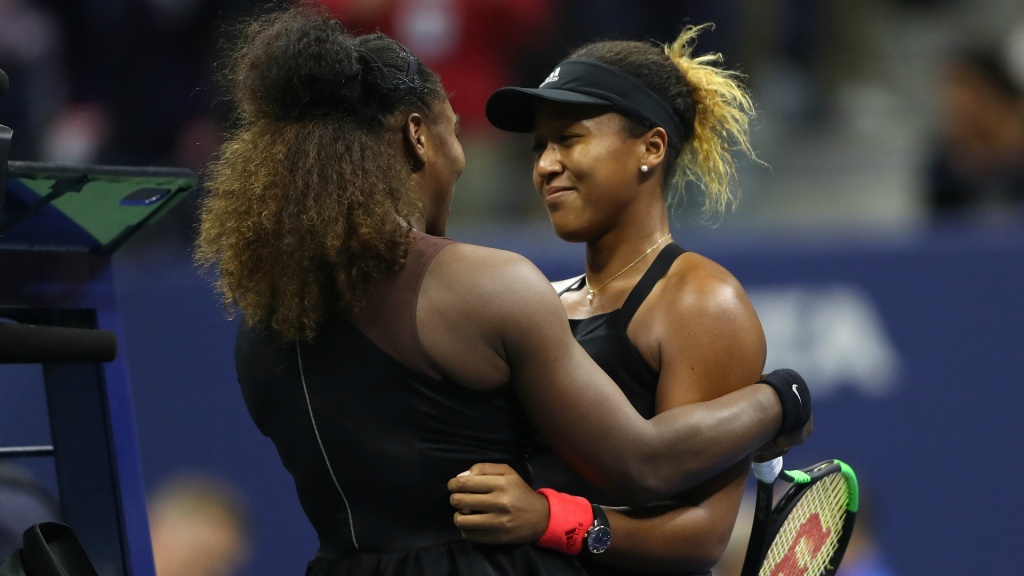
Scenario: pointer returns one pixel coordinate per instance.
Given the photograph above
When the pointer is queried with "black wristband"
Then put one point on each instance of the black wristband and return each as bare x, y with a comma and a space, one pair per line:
795, 397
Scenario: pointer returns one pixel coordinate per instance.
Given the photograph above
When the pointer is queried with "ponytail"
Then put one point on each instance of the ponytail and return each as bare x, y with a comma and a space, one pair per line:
721, 122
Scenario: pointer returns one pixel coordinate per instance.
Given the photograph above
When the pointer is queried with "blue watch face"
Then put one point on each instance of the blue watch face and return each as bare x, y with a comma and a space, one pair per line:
598, 539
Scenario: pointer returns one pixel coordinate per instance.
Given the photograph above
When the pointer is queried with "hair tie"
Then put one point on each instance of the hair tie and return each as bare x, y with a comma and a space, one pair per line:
388, 88
380, 90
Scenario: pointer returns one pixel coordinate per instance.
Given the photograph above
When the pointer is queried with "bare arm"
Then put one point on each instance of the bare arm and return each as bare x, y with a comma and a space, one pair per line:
681, 535
508, 305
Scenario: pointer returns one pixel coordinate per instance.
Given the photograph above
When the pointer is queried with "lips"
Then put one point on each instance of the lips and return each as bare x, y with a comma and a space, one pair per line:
554, 192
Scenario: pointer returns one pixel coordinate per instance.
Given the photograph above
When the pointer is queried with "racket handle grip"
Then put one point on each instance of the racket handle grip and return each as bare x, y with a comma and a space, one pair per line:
768, 471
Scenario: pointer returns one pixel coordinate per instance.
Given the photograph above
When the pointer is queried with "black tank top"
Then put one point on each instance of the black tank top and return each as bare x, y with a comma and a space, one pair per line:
372, 472
604, 338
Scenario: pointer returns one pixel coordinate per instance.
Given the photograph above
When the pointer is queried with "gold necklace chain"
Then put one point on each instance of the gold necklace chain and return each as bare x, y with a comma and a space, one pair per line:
592, 291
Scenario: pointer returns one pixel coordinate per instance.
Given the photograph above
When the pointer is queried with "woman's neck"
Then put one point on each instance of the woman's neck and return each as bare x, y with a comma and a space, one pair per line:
633, 235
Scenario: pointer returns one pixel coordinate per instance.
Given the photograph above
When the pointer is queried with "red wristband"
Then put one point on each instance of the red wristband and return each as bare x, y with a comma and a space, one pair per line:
569, 518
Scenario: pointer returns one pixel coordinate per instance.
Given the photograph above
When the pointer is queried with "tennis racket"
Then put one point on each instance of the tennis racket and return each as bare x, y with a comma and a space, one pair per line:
807, 531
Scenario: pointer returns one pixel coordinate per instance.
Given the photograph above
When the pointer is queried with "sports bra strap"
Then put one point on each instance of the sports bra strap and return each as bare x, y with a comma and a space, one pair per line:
662, 262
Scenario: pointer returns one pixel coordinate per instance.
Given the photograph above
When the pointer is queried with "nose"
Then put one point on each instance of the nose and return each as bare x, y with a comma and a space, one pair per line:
548, 163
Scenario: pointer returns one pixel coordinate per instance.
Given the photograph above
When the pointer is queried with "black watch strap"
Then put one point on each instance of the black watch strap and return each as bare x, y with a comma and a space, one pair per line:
599, 536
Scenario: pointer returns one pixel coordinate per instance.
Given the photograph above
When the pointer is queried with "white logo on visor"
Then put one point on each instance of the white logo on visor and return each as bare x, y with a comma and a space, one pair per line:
553, 77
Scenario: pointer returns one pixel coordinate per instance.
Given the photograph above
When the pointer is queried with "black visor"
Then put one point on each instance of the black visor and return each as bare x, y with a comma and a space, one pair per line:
586, 82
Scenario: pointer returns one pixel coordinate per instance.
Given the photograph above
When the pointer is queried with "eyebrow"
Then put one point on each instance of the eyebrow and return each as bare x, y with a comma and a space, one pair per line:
458, 122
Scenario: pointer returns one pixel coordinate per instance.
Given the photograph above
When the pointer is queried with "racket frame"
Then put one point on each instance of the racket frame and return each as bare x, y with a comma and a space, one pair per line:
768, 520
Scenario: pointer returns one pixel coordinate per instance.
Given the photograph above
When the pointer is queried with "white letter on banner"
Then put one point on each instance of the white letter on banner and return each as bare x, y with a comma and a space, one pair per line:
833, 335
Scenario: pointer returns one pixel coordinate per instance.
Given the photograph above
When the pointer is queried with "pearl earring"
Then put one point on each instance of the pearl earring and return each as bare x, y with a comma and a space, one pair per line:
644, 168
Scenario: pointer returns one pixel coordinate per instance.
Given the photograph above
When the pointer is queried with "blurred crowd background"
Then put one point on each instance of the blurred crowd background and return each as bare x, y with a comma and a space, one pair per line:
872, 112
885, 116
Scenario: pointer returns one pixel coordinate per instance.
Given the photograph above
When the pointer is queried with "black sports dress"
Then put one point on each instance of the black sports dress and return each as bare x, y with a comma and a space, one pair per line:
605, 340
372, 472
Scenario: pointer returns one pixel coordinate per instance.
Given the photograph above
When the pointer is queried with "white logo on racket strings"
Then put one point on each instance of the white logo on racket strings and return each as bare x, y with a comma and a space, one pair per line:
797, 392
553, 77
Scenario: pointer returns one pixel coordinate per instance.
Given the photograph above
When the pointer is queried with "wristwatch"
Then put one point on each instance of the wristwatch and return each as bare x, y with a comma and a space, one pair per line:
599, 536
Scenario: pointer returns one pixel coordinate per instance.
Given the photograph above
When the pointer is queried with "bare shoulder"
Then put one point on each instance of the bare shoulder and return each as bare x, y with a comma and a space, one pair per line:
490, 282
489, 269
474, 302
702, 332
696, 283
699, 314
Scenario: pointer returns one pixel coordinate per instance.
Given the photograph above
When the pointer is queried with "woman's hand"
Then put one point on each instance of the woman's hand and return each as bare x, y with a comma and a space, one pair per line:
496, 506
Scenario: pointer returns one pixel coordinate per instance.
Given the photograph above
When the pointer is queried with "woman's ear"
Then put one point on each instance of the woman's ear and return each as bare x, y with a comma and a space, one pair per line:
655, 147
415, 141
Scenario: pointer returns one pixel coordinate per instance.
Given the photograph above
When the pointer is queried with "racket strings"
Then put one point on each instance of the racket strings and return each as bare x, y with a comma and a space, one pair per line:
807, 540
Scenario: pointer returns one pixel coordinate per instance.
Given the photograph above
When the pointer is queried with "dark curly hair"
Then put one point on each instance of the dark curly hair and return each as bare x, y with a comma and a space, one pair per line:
309, 199
710, 99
